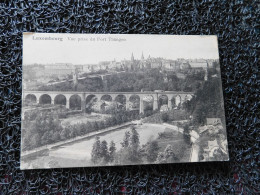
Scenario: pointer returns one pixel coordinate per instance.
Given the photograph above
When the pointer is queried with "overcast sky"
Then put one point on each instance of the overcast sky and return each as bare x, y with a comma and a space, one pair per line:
72, 49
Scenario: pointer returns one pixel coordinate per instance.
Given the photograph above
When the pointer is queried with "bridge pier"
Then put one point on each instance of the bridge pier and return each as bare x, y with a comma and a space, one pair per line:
169, 104
170, 97
127, 105
141, 108
155, 104
83, 102
67, 103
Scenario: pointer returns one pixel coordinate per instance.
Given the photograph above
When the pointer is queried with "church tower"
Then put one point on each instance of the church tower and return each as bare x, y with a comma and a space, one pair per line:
132, 62
132, 58
142, 57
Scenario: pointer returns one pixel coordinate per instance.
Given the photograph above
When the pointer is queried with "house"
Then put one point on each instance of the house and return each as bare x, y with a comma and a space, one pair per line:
198, 64
155, 62
87, 68
170, 65
213, 121
202, 130
185, 66
210, 149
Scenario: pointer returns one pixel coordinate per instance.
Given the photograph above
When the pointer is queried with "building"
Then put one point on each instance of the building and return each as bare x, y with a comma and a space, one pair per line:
58, 69
32, 72
155, 62
213, 121
170, 65
87, 67
198, 64
185, 66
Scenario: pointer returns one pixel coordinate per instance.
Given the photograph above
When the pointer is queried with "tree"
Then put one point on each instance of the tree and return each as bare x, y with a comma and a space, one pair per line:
96, 151
95, 125
186, 134
126, 140
56, 136
219, 154
112, 151
134, 154
199, 114
168, 152
165, 117
160, 158
101, 125
152, 151
134, 138
35, 141
167, 156
64, 133
104, 154
208, 102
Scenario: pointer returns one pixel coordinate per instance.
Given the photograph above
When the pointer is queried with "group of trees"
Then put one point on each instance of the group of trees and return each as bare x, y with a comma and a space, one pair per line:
45, 128
208, 102
186, 134
167, 116
131, 152
101, 153
154, 79
167, 156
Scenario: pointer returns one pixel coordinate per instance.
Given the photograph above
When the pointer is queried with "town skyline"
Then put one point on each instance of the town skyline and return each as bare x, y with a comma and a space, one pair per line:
87, 52
128, 59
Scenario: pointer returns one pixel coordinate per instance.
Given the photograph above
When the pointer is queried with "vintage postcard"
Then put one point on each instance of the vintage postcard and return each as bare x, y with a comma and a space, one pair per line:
109, 99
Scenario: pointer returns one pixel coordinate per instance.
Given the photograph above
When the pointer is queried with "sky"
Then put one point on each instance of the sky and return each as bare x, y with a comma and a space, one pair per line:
93, 48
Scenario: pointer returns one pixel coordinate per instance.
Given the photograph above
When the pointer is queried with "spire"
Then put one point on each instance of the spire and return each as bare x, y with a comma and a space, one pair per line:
132, 57
142, 57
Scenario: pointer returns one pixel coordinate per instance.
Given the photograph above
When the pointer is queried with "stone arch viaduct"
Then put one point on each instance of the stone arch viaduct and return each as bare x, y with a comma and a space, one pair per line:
171, 95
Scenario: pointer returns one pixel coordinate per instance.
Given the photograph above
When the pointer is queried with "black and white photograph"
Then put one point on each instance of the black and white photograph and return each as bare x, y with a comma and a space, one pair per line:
121, 99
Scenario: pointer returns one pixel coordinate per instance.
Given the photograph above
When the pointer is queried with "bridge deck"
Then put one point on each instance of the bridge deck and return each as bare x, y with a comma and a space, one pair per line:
108, 92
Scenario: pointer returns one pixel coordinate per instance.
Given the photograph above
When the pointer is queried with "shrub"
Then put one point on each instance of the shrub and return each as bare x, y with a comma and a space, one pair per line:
165, 117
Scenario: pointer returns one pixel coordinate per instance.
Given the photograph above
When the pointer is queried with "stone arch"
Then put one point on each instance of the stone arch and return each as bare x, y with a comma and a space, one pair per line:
30, 99
45, 99
106, 98
148, 101
91, 103
60, 99
163, 102
121, 101
104, 102
173, 102
75, 102
134, 102
186, 103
